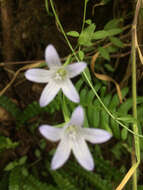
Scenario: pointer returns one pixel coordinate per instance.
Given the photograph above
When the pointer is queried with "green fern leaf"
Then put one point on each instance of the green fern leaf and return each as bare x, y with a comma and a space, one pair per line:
18, 181
14, 179
11, 107
62, 182
94, 179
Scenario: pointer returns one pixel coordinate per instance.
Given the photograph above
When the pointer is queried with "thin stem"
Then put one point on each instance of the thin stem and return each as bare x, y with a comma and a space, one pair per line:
133, 156
47, 8
65, 110
84, 14
136, 148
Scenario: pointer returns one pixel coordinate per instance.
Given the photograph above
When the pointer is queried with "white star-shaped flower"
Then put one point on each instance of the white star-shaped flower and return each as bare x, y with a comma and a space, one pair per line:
57, 77
73, 138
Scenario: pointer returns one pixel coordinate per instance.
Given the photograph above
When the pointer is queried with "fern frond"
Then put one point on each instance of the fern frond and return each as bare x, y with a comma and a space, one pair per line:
92, 178
14, 179
96, 116
11, 107
18, 181
62, 182
34, 109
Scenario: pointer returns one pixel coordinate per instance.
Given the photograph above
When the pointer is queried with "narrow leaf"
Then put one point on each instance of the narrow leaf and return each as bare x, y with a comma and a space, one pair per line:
86, 36
101, 34
88, 21
73, 33
104, 53
114, 31
109, 67
81, 55
112, 24
116, 41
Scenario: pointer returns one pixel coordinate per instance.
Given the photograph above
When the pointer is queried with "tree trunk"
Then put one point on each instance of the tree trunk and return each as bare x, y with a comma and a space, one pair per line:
6, 20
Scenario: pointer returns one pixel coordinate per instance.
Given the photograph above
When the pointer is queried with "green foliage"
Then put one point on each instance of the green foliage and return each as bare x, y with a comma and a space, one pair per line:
19, 181
16, 163
94, 179
103, 167
63, 179
97, 117
116, 41
114, 23
109, 67
62, 182
104, 53
81, 55
6, 143
10, 106
34, 109
101, 34
73, 33
30, 111
86, 35
88, 21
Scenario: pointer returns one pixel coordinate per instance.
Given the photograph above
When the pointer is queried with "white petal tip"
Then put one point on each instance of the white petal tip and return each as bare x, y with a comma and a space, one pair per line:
84, 65
73, 99
79, 109
42, 104
42, 130
55, 166
89, 166
49, 48
51, 56
107, 136
77, 100
26, 74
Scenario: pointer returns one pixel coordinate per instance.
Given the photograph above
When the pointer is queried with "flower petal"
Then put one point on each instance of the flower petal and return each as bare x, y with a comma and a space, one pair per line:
62, 154
77, 116
70, 91
75, 69
82, 154
52, 57
96, 135
38, 75
50, 133
48, 94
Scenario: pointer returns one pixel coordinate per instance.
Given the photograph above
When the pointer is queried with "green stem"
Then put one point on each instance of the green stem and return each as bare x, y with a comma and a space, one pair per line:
65, 110
47, 8
136, 147
84, 14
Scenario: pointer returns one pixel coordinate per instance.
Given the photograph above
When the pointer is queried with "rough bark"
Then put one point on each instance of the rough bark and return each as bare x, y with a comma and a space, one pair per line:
6, 20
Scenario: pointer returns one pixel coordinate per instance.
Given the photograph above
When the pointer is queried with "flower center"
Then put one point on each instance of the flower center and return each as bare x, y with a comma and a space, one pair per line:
60, 74
72, 132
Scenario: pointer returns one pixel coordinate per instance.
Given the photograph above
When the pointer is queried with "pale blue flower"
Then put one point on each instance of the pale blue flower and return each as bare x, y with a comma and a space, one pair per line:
57, 77
73, 138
